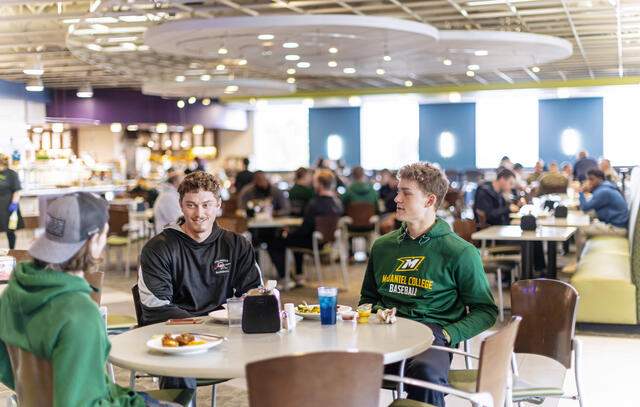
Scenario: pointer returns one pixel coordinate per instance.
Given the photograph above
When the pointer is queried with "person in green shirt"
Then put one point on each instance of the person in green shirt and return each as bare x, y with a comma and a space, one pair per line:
301, 192
47, 310
360, 190
430, 275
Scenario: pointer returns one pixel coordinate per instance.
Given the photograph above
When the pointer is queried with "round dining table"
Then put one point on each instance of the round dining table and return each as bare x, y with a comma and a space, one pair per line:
395, 342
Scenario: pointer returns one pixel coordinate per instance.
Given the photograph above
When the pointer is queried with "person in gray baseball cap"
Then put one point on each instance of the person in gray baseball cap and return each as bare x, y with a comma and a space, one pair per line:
47, 310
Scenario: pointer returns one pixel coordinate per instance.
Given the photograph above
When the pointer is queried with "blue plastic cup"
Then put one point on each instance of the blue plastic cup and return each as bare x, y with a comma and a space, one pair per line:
328, 300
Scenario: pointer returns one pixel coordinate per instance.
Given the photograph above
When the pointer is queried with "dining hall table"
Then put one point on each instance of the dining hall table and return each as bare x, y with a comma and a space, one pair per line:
395, 342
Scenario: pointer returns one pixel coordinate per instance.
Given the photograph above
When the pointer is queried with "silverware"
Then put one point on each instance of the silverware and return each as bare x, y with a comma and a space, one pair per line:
224, 338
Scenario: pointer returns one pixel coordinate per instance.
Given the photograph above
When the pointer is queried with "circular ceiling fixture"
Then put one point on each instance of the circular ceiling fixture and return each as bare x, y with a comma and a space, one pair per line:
217, 87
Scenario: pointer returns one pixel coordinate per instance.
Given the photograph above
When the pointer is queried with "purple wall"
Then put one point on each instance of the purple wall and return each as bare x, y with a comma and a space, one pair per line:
130, 106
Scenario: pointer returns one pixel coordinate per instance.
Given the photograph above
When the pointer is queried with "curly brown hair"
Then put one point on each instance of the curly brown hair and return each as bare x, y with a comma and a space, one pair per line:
430, 179
200, 181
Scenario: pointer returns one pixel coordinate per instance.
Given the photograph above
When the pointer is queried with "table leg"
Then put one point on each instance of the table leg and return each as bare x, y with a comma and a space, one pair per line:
551, 259
526, 256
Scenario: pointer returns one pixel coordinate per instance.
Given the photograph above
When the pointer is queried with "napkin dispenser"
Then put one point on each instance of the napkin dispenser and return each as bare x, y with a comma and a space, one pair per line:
261, 310
561, 211
528, 223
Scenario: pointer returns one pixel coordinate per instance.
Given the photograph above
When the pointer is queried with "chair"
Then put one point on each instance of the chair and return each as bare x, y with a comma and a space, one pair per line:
548, 309
338, 379
487, 386
326, 238
20, 255
362, 221
121, 235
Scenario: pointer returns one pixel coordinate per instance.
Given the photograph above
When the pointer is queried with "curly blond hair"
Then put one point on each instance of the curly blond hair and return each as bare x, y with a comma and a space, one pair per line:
430, 179
200, 180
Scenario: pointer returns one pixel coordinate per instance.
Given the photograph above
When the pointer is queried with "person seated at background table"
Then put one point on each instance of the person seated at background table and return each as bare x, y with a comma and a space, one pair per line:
324, 203
538, 169
553, 181
430, 275
609, 173
261, 190
489, 198
145, 189
567, 170
194, 265
388, 221
610, 206
244, 177
47, 310
166, 209
517, 173
360, 190
301, 192
582, 165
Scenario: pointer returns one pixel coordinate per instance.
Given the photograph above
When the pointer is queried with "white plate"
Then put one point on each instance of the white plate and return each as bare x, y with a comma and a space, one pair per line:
221, 316
156, 344
316, 315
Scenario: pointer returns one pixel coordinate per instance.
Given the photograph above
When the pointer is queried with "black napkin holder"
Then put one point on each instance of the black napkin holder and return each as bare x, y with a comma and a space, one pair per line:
261, 314
528, 223
561, 211
549, 204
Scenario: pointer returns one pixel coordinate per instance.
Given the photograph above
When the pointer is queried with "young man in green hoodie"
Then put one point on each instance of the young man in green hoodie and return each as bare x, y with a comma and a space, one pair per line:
46, 309
430, 275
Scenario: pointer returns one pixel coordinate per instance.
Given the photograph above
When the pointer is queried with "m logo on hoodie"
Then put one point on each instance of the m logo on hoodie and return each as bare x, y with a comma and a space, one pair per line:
409, 263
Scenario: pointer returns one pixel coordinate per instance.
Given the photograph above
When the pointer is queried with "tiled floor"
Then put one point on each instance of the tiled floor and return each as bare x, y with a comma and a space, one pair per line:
609, 362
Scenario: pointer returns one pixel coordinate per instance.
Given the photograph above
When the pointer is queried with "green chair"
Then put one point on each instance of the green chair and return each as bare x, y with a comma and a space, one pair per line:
488, 386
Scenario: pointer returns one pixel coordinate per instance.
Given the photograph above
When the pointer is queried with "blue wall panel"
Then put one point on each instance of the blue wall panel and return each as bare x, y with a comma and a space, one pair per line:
16, 90
343, 121
456, 118
581, 114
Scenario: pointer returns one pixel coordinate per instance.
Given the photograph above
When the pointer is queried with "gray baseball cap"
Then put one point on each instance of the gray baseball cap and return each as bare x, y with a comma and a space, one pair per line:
71, 221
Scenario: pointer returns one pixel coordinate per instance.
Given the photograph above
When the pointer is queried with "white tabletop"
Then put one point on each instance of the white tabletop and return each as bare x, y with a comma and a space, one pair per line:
396, 342
576, 219
511, 232
278, 222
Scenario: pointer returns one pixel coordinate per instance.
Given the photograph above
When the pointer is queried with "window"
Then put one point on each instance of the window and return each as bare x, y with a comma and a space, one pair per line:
334, 147
570, 141
621, 132
507, 126
447, 144
281, 137
389, 133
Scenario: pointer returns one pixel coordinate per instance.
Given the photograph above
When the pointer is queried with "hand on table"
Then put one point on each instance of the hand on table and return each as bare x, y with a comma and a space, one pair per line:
514, 208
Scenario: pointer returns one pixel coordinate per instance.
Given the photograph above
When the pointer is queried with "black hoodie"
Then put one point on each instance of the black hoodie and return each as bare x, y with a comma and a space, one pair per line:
492, 203
181, 278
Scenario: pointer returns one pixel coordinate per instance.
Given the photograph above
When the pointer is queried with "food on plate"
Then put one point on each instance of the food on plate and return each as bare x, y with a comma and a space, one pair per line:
349, 315
364, 311
307, 309
185, 339
387, 316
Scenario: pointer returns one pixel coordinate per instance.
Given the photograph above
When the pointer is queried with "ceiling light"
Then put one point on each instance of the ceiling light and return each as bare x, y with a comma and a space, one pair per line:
471, 74
408, 84
333, 50
349, 70
129, 45
447, 62
133, 19
115, 127
266, 37
132, 127
473, 67
180, 104
290, 45
180, 78
291, 80
220, 67
205, 77
94, 47
37, 129
151, 143
535, 69
387, 58
231, 89
563, 93
292, 57
242, 61
291, 71
128, 30
167, 143
464, 12
161, 128
206, 102
70, 20
34, 85
197, 129
57, 127
100, 28
481, 53
222, 50
303, 65
121, 39
332, 64
33, 71
355, 101
490, 2
455, 97
380, 71
192, 100
143, 48
85, 91
106, 20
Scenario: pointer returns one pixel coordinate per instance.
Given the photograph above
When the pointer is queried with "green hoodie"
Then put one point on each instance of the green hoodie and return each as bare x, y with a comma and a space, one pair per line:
50, 314
431, 279
360, 192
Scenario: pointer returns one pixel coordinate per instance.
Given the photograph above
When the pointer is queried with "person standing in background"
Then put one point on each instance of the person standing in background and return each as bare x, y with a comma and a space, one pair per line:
583, 165
244, 177
9, 197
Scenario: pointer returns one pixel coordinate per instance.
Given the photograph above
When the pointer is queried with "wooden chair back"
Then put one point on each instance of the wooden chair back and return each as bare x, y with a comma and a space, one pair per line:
465, 228
233, 223
481, 218
327, 225
495, 361
20, 255
548, 310
95, 279
343, 379
360, 212
33, 378
230, 206
137, 304
118, 217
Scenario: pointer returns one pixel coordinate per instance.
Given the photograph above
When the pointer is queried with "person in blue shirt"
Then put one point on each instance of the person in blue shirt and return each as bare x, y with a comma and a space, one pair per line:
611, 209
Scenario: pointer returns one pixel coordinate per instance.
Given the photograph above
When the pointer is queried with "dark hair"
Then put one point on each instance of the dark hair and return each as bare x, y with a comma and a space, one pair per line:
505, 158
301, 173
506, 174
326, 179
197, 181
517, 166
245, 161
357, 172
595, 172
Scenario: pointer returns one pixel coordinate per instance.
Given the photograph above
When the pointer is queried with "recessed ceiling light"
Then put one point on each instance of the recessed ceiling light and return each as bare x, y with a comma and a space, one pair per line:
231, 89
535, 69
151, 143
223, 51
206, 101
455, 97
33, 71
129, 45
355, 101
471, 74
220, 67
333, 50
447, 62
303, 64
192, 100
180, 104
133, 19
473, 67
161, 127
85, 91
267, 44
70, 20
242, 61
57, 127
180, 78
349, 70
143, 48
94, 47
292, 57
481, 52
100, 28
205, 77
332, 64
408, 84
121, 39
132, 127
387, 58
115, 127
93, 20
290, 45
266, 37
380, 71
291, 80
291, 71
